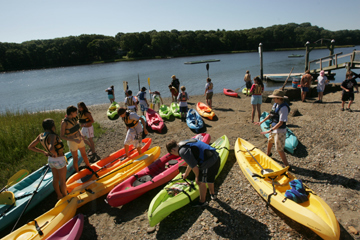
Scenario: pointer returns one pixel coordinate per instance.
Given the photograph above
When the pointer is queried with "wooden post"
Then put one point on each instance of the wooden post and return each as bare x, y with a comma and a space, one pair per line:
307, 64
261, 61
332, 46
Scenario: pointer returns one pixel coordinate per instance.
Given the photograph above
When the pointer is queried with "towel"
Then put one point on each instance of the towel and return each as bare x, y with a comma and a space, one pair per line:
297, 192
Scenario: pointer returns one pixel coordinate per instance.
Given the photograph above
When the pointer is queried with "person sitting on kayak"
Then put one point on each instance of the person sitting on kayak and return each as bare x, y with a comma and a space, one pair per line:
277, 133
173, 92
70, 131
182, 99
209, 92
54, 150
203, 160
130, 101
134, 129
142, 100
87, 129
156, 99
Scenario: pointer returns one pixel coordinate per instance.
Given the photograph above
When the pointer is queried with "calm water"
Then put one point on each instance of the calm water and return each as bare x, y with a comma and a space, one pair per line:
58, 88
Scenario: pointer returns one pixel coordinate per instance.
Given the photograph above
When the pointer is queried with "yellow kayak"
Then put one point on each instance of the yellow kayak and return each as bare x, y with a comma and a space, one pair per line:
103, 185
48, 223
271, 183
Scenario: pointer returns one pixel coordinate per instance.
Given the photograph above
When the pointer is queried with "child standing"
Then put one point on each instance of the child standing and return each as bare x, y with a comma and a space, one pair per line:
256, 99
182, 99
174, 92
156, 99
209, 92
247, 79
321, 80
130, 102
86, 120
142, 100
348, 89
111, 93
277, 133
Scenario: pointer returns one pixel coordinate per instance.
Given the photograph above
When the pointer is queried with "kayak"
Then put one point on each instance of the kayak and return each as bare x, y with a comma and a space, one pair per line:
107, 164
194, 120
230, 92
103, 185
314, 213
24, 189
71, 230
154, 120
46, 224
244, 91
158, 173
291, 140
175, 109
163, 204
165, 112
205, 111
112, 111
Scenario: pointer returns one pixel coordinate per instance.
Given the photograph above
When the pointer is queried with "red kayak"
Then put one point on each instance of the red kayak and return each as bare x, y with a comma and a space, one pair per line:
158, 173
71, 230
230, 92
154, 120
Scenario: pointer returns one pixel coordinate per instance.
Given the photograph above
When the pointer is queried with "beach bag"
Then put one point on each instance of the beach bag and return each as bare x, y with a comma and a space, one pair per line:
297, 192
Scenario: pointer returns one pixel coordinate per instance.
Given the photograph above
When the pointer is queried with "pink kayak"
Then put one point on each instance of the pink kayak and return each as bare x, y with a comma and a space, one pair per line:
71, 230
230, 92
154, 120
158, 173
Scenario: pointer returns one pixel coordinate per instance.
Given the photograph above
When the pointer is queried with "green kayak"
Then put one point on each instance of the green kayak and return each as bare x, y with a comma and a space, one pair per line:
165, 112
244, 91
112, 111
175, 109
164, 203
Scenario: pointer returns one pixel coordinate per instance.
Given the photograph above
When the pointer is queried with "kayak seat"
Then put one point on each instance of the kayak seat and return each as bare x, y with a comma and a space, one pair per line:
276, 174
142, 180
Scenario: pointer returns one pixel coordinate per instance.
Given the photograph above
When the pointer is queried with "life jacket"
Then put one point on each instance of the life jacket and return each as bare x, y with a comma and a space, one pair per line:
257, 90
83, 118
198, 148
183, 97
174, 91
130, 101
74, 126
129, 122
142, 95
58, 144
274, 114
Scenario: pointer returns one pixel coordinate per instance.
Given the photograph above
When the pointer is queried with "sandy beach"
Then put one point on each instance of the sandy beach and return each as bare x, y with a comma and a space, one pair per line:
327, 160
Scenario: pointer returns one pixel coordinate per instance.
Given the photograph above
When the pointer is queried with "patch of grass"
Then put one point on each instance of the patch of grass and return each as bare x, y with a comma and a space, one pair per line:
17, 131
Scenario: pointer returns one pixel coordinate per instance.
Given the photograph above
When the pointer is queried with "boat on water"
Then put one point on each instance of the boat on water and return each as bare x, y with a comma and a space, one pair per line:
295, 55
203, 61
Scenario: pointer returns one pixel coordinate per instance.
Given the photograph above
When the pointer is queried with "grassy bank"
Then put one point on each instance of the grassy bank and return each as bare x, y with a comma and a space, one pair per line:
17, 131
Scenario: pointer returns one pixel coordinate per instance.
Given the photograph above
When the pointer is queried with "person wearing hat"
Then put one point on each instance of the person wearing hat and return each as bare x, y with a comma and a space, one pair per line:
247, 79
321, 80
134, 129
142, 100
277, 133
175, 82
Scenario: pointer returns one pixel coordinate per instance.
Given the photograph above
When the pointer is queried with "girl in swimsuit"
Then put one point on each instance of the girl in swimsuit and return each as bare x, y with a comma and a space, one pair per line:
87, 129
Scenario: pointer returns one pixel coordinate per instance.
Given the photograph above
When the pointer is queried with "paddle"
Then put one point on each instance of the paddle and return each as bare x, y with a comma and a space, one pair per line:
239, 88
88, 177
139, 82
207, 68
287, 79
151, 104
47, 167
15, 178
125, 84
263, 171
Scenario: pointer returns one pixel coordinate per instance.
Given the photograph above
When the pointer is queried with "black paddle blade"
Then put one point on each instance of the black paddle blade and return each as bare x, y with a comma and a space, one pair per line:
86, 178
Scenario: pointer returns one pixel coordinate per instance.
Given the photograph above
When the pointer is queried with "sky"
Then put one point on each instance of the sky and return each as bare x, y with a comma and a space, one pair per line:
25, 20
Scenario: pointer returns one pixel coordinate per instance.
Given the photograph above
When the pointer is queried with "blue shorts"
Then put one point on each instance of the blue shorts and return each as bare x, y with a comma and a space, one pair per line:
256, 99
183, 109
144, 107
110, 96
304, 89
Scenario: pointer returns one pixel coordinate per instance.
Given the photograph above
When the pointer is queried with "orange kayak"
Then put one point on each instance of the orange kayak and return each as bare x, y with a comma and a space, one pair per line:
205, 111
105, 165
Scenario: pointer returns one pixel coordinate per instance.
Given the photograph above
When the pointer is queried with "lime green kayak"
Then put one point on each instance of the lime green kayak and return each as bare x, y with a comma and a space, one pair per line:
165, 112
175, 109
164, 203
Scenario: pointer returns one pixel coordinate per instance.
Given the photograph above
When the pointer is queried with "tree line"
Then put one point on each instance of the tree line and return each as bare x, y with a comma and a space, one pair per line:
84, 49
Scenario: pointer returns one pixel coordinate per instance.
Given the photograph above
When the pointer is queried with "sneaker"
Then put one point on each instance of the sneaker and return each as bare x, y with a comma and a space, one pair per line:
270, 154
213, 196
201, 204
348, 109
342, 109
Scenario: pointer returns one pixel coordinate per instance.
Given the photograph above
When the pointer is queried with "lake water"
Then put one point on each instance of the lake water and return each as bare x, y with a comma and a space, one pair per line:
57, 88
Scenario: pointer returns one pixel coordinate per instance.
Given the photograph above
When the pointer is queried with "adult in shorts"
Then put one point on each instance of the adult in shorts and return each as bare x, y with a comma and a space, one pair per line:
134, 129
279, 116
209, 92
203, 160
247, 79
87, 129
305, 84
54, 150
111, 93
348, 89
70, 131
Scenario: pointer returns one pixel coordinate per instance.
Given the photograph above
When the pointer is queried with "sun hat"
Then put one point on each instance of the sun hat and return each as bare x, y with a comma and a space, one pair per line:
278, 94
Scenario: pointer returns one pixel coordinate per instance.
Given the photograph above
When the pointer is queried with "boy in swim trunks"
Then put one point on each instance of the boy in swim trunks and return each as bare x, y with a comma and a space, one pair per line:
305, 84
142, 100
